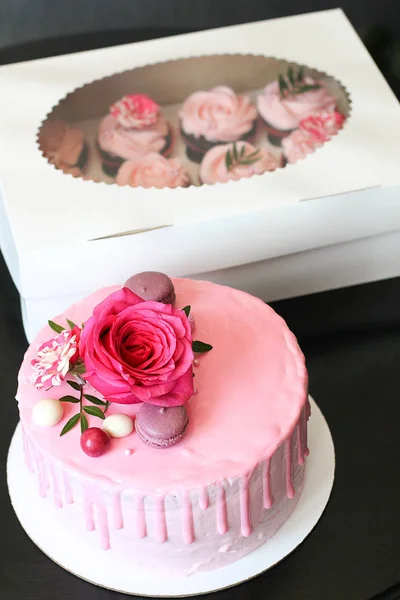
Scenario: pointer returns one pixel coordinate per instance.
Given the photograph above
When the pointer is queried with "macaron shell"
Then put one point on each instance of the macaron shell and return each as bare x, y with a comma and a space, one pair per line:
156, 443
151, 285
161, 426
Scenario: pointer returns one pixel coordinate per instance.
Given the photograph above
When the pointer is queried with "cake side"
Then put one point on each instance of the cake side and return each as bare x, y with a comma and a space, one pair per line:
230, 483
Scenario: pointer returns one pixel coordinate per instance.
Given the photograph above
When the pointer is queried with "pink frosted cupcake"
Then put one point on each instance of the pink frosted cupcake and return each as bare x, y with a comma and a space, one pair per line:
313, 131
217, 116
293, 97
153, 170
231, 162
64, 146
133, 128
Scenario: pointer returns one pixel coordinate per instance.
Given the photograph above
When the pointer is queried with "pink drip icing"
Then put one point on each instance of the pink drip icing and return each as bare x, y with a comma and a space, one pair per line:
222, 513
307, 414
118, 520
245, 522
267, 484
187, 519
289, 484
102, 521
27, 452
69, 499
43, 483
141, 529
161, 525
203, 498
300, 455
88, 510
56, 487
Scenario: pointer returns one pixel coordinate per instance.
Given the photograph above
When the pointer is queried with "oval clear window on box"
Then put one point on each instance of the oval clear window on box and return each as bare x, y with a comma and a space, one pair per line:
194, 121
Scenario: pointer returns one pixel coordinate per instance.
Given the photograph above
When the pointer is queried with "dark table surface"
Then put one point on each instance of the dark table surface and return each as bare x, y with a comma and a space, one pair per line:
351, 339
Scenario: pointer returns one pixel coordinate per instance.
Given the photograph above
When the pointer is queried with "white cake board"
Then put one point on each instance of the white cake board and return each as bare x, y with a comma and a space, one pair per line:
103, 570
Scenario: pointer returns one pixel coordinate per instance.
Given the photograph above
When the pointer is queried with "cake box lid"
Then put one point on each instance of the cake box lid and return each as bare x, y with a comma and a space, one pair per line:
44, 210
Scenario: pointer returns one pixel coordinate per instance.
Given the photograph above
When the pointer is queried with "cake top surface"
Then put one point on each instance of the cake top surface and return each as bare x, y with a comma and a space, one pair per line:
251, 389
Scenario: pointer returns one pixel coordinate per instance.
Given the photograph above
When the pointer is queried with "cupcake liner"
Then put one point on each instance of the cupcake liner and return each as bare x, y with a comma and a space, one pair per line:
170, 83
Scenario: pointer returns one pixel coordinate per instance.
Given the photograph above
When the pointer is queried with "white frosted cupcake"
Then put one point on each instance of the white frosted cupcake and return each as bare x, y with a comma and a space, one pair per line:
231, 162
293, 97
153, 170
217, 116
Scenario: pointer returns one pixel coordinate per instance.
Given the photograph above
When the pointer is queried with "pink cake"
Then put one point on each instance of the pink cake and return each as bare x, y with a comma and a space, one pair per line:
227, 485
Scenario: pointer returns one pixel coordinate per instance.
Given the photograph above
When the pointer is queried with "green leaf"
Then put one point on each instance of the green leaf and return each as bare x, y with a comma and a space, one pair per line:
70, 424
308, 88
283, 86
55, 327
300, 74
94, 411
74, 384
249, 161
84, 423
252, 154
235, 152
95, 400
290, 75
228, 160
243, 150
200, 347
70, 323
83, 325
69, 399
186, 310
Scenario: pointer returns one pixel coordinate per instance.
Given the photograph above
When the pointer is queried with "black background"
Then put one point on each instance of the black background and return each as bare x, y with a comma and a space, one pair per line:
351, 339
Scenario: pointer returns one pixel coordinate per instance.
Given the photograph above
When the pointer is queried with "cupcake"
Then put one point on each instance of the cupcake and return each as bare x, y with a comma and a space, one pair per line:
231, 162
153, 170
133, 128
215, 117
313, 131
293, 97
64, 147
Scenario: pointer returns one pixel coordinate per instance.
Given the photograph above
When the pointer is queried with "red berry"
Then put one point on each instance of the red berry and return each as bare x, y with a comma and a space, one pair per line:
94, 441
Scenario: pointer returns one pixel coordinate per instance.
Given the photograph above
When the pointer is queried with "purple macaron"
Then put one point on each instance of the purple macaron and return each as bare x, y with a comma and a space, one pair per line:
161, 427
151, 285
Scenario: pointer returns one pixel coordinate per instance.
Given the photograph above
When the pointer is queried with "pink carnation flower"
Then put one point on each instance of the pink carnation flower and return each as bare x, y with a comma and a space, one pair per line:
55, 358
322, 126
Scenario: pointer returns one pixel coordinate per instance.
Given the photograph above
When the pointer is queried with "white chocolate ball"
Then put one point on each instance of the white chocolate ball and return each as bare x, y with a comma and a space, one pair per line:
118, 425
47, 412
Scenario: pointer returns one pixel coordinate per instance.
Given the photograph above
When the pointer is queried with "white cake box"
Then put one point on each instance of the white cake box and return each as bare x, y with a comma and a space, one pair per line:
330, 220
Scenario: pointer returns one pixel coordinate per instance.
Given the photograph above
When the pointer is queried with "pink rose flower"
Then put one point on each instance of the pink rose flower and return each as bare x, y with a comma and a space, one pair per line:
136, 351
55, 358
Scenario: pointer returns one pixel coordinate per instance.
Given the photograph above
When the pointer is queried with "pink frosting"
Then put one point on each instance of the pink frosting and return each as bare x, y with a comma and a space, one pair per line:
218, 115
61, 144
298, 144
153, 170
286, 113
213, 168
255, 370
313, 131
131, 143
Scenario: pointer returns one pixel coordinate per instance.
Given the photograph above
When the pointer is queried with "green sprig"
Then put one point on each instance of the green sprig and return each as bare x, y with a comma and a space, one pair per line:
233, 157
293, 83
